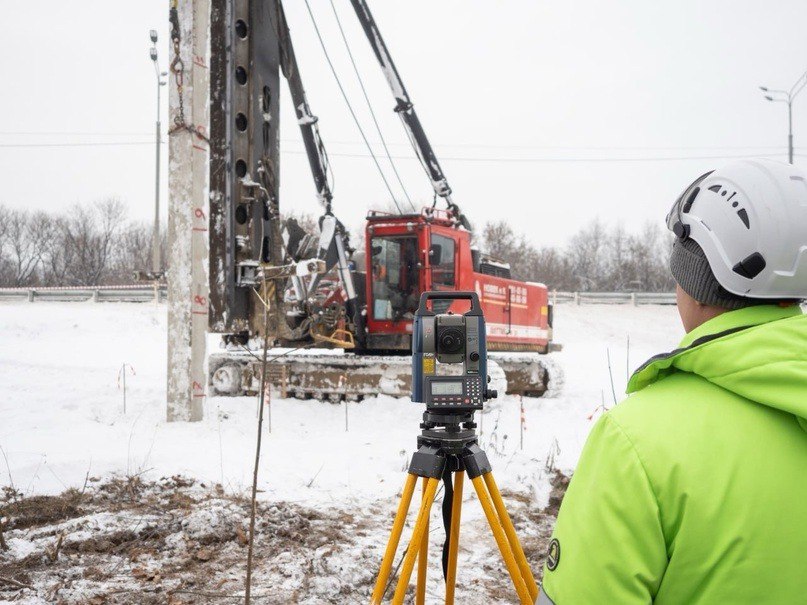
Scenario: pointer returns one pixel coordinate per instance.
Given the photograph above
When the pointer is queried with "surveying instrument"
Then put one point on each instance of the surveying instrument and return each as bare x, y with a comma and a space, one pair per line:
447, 446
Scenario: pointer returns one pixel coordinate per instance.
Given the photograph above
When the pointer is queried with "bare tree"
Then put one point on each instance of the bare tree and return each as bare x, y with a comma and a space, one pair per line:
5, 263
90, 237
500, 241
131, 252
650, 251
4, 218
595, 258
586, 256
54, 259
23, 246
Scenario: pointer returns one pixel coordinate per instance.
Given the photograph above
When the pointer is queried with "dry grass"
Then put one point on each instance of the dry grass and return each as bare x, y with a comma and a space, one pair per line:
127, 541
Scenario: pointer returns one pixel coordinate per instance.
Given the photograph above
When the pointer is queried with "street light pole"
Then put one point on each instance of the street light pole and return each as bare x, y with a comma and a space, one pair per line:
155, 244
787, 96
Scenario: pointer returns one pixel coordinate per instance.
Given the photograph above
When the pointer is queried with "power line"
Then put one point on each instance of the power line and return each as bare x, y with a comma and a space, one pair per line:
96, 144
443, 145
579, 147
370, 106
504, 160
564, 159
350, 107
72, 133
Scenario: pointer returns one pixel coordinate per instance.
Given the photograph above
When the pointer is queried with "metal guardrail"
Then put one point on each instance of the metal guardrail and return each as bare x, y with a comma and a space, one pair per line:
134, 293
150, 293
613, 298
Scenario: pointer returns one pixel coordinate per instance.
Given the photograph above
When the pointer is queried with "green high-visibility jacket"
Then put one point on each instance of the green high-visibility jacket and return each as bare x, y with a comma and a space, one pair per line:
693, 491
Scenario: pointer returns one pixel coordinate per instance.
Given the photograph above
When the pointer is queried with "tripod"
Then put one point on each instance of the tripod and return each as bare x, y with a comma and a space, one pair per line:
448, 444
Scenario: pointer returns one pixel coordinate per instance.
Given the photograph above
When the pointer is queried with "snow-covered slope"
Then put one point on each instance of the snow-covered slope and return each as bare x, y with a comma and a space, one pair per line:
61, 409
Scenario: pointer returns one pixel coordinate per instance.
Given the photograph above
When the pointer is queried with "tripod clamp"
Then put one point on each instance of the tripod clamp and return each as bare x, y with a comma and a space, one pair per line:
448, 439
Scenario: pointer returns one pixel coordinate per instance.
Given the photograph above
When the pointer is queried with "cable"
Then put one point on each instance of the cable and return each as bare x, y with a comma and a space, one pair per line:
494, 160
581, 147
443, 145
566, 159
760, 148
330, 178
448, 501
117, 144
350, 107
370, 106
73, 133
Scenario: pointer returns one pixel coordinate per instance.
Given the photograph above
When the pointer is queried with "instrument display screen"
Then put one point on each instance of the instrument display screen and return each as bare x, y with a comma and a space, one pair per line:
447, 388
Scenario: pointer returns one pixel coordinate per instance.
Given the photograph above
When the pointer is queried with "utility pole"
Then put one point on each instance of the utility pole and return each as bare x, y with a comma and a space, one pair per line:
189, 101
787, 96
156, 265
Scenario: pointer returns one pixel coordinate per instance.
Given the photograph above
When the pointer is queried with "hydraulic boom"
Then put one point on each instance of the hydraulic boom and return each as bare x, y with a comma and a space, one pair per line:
406, 109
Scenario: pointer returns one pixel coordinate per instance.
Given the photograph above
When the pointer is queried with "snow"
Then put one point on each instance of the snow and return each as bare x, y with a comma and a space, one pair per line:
62, 409
326, 493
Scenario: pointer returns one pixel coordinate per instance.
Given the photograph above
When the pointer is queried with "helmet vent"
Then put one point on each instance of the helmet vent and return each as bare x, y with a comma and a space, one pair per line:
751, 266
744, 217
715, 188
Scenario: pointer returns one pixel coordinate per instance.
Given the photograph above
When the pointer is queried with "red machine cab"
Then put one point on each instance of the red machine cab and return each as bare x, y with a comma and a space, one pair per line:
413, 253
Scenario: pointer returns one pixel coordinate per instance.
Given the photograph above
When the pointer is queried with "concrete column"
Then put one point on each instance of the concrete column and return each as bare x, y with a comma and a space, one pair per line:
187, 217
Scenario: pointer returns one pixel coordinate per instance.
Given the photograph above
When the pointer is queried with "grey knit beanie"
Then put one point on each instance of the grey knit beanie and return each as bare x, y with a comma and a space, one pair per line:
691, 270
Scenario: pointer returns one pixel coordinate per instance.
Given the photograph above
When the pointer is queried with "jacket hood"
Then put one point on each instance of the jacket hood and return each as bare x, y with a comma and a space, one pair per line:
759, 353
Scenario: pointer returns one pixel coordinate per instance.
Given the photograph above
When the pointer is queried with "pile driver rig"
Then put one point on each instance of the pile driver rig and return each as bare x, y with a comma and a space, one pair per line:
319, 291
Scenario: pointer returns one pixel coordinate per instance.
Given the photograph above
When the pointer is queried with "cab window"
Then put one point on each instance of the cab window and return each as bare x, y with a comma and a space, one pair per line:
442, 261
395, 277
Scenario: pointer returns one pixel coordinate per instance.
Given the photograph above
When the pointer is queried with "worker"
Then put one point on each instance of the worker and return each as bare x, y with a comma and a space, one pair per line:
693, 491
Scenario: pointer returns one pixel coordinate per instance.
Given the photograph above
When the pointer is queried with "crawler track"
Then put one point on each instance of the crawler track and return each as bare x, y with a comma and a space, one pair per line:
332, 376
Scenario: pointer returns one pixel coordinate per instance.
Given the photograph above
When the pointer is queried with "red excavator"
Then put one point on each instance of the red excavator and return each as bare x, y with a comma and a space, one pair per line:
325, 294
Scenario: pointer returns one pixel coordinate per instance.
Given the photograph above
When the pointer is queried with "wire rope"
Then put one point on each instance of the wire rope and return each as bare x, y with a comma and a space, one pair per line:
370, 106
350, 107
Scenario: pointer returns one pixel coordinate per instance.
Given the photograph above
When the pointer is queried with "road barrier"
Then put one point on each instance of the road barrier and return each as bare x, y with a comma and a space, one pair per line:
613, 298
151, 293
134, 293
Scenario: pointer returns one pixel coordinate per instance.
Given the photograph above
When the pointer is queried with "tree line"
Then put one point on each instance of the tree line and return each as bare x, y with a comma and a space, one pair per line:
86, 245
95, 244
598, 258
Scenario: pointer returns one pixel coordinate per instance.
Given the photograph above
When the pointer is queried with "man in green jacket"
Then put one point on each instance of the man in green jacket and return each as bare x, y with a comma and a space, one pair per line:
693, 491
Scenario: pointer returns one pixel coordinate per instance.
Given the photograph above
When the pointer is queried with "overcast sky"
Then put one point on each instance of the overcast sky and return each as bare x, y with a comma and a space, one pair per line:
546, 114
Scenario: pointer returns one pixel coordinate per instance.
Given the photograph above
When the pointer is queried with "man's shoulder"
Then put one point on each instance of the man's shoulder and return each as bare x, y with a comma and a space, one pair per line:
672, 404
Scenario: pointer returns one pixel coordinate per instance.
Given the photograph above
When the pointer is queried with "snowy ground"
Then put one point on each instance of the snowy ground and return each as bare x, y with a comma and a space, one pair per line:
62, 423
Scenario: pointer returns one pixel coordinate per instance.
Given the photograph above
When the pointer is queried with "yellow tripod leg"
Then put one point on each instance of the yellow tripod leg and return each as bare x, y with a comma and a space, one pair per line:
501, 541
423, 560
395, 537
454, 538
414, 544
512, 538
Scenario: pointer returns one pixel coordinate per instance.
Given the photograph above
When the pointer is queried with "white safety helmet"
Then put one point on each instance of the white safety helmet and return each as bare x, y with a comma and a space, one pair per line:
750, 220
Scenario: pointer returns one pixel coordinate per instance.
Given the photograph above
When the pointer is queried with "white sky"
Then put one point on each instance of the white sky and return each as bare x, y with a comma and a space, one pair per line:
521, 80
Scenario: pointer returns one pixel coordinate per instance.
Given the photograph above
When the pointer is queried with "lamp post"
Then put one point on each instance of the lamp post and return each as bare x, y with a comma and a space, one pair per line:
787, 96
155, 244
